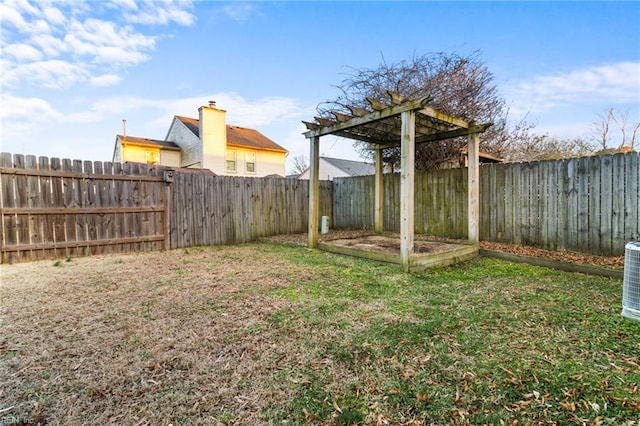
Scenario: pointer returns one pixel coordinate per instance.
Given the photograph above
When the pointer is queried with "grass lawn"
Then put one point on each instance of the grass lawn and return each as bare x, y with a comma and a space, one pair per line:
268, 333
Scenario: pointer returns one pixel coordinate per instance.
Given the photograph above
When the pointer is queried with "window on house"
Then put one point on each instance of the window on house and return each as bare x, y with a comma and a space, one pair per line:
152, 157
231, 161
250, 162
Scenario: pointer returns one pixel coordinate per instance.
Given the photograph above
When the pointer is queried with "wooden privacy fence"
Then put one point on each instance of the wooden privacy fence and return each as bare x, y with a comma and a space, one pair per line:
588, 205
440, 203
208, 209
52, 208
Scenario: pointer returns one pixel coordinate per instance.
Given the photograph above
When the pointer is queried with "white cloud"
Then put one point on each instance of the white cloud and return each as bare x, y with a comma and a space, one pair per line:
258, 112
163, 16
12, 15
51, 46
615, 84
153, 12
105, 80
27, 108
126, 4
39, 26
54, 74
53, 15
240, 111
86, 39
23, 52
240, 11
23, 6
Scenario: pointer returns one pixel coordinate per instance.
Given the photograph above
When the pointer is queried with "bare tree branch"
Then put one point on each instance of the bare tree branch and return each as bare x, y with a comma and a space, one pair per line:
300, 164
459, 85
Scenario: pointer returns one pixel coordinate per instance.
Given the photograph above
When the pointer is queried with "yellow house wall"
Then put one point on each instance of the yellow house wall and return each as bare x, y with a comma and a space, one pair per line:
213, 133
138, 154
267, 163
135, 154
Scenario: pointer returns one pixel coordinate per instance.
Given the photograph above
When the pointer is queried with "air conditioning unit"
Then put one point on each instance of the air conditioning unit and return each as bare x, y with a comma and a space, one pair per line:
631, 282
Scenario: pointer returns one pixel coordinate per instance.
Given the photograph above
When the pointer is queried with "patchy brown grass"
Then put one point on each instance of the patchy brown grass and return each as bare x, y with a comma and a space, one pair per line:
277, 334
122, 339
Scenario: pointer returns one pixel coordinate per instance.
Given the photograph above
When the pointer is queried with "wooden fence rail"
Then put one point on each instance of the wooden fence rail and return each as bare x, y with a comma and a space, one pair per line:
589, 205
208, 209
52, 208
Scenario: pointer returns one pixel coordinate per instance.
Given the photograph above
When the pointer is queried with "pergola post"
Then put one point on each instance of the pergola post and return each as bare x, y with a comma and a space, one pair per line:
314, 191
407, 175
378, 209
473, 199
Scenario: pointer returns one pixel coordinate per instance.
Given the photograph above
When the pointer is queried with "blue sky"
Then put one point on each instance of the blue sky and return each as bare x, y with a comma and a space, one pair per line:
72, 70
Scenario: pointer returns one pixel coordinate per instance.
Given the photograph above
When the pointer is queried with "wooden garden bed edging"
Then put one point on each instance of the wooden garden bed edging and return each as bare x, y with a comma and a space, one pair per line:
553, 264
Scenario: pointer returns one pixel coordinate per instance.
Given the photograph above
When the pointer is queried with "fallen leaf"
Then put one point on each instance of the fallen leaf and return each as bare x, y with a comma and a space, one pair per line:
569, 406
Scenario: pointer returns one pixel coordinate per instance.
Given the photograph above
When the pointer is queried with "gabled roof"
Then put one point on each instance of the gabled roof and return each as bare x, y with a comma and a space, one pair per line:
192, 124
132, 140
251, 138
352, 168
237, 136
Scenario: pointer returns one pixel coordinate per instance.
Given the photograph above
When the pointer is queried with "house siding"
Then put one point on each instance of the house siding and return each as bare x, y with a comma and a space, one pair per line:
270, 163
188, 142
326, 172
117, 152
267, 163
170, 158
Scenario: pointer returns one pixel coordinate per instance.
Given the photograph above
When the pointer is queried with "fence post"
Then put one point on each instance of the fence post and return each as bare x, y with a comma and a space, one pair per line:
474, 188
167, 175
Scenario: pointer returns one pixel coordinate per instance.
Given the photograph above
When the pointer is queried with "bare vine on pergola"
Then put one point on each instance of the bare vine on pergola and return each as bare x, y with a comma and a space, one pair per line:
432, 127
460, 86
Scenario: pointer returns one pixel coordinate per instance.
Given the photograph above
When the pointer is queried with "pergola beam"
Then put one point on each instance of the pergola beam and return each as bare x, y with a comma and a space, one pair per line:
396, 98
341, 117
445, 135
358, 112
328, 126
376, 104
441, 116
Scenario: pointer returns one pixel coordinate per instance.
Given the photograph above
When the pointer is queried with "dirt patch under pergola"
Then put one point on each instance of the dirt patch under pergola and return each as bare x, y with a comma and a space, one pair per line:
386, 245
423, 241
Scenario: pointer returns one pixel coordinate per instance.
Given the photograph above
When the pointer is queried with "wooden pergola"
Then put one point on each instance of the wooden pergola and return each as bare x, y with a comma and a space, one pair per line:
405, 123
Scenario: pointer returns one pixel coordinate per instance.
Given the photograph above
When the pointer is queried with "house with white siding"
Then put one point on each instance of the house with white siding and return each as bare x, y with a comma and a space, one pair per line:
330, 168
208, 142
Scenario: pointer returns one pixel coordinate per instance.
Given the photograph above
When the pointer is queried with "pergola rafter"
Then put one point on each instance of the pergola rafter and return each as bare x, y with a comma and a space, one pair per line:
405, 123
